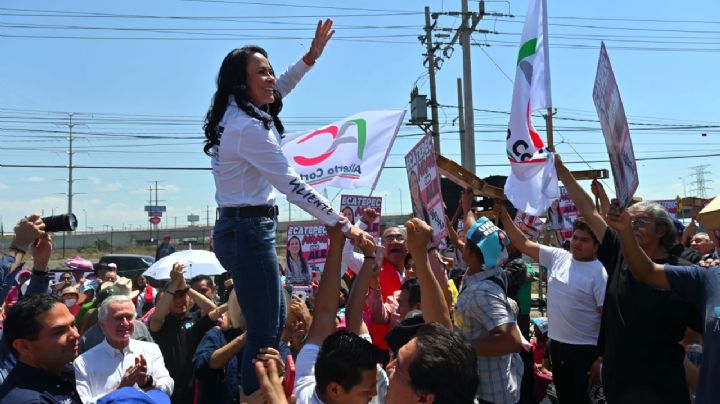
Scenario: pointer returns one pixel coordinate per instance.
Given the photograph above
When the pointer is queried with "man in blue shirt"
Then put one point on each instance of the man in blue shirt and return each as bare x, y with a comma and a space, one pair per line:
41, 333
697, 285
27, 231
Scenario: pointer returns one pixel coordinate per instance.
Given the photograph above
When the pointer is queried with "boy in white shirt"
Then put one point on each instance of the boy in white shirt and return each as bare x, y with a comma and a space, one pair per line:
576, 292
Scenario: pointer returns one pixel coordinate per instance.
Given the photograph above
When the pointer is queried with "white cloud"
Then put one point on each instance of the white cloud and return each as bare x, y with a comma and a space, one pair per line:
95, 180
3, 186
171, 188
112, 187
36, 179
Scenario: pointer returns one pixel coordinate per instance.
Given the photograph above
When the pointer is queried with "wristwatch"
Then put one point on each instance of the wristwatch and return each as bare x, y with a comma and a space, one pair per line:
149, 383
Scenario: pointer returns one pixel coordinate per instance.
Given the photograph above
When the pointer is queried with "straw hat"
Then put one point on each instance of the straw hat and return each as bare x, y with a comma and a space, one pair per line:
70, 290
124, 284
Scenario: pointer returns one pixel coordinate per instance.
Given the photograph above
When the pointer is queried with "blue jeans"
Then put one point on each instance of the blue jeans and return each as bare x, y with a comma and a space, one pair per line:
246, 249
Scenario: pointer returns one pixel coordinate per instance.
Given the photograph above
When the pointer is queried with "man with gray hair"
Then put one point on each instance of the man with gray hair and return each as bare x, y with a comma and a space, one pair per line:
120, 361
703, 244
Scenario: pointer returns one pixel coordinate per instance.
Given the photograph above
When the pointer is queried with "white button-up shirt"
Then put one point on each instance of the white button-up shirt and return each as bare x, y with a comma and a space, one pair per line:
249, 164
100, 370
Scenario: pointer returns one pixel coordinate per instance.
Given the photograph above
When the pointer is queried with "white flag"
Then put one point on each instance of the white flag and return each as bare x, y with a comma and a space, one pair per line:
532, 184
349, 153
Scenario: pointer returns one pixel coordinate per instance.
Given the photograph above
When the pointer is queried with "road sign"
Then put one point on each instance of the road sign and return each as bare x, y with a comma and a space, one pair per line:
151, 208
155, 220
154, 213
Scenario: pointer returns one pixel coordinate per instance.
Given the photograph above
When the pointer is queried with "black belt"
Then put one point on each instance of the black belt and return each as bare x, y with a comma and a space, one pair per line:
243, 212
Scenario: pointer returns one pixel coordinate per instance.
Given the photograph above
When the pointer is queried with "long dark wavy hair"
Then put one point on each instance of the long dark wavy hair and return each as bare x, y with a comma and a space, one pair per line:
232, 81
303, 263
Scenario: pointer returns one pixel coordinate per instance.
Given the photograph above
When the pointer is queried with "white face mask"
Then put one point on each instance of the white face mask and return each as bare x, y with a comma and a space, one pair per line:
70, 302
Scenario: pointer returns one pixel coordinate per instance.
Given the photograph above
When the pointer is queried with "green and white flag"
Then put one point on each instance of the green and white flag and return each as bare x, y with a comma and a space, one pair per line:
532, 184
349, 153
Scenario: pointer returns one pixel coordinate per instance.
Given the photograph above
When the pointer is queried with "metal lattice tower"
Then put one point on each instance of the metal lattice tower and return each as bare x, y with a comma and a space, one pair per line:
700, 183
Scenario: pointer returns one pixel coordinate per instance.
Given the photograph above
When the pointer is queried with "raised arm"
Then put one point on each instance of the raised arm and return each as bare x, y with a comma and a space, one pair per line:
517, 238
599, 191
356, 300
434, 306
582, 200
204, 304
466, 203
162, 308
290, 78
638, 262
326, 297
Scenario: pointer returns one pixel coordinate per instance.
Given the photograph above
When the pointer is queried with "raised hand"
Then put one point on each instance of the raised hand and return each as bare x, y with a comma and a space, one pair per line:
271, 383
177, 275
466, 199
272, 354
419, 235
618, 219
369, 215
28, 230
323, 33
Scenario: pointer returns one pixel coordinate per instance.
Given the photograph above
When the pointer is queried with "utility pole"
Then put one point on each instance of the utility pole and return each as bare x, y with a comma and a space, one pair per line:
468, 25
70, 165
461, 128
430, 60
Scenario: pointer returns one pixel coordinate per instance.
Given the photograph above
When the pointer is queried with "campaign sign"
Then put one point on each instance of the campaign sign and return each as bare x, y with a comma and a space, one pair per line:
671, 205
425, 194
613, 121
531, 226
562, 215
307, 246
352, 207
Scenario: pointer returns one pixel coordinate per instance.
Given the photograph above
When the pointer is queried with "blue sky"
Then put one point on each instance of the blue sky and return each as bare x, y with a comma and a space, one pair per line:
139, 76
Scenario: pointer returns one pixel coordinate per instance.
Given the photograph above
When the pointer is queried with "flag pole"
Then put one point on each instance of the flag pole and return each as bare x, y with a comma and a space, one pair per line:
549, 128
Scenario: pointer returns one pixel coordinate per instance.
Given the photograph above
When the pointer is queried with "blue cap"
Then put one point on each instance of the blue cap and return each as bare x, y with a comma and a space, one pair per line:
492, 242
133, 395
541, 323
679, 226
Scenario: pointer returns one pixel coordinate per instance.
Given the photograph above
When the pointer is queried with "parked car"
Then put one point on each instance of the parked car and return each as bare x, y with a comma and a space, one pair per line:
130, 265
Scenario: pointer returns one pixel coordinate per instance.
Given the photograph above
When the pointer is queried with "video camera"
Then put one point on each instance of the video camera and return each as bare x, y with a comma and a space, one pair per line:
64, 222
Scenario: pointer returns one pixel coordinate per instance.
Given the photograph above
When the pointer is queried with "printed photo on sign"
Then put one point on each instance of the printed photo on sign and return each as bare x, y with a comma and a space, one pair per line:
306, 253
613, 121
531, 226
563, 217
352, 207
424, 182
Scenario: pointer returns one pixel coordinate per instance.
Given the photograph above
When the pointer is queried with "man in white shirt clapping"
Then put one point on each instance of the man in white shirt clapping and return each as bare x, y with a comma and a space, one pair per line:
120, 361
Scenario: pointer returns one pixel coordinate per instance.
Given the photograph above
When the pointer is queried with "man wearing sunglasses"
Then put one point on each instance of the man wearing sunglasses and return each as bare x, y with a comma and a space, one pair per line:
392, 268
178, 332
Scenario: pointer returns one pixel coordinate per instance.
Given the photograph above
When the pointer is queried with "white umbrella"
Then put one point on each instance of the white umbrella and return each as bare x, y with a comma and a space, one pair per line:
198, 262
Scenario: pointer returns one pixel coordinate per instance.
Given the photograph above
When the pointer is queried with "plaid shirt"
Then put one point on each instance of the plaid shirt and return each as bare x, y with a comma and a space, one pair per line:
481, 307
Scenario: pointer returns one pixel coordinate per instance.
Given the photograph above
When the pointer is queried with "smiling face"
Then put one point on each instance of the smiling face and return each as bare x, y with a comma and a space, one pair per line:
294, 246
347, 212
702, 243
118, 325
57, 343
260, 80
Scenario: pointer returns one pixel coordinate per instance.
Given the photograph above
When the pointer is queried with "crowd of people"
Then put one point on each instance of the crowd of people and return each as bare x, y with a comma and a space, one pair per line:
630, 318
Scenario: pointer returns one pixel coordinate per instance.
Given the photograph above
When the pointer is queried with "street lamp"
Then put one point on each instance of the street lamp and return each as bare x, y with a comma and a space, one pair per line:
401, 207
